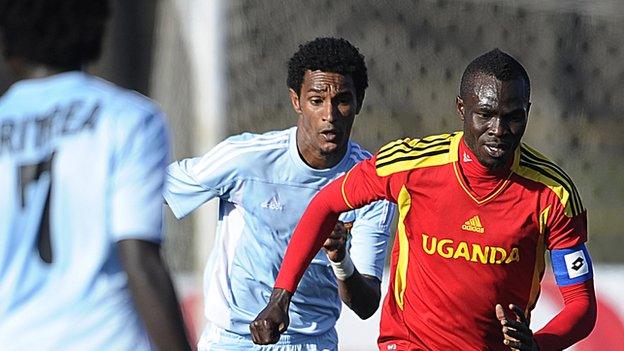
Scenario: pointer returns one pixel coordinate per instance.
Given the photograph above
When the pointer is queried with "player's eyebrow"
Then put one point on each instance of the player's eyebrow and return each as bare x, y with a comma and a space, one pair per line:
323, 88
485, 107
516, 110
344, 92
318, 89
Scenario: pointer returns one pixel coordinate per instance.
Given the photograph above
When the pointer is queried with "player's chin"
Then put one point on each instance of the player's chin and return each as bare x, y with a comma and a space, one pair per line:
329, 148
494, 162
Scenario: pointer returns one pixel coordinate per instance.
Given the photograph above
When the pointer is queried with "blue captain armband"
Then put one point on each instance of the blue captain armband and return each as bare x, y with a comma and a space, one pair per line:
572, 265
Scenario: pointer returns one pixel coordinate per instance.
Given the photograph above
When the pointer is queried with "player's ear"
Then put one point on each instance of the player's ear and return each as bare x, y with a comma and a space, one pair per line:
294, 100
460, 107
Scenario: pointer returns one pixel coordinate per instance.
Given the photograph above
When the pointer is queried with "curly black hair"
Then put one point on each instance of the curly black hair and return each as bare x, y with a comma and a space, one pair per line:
334, 55
494, 63
63, 34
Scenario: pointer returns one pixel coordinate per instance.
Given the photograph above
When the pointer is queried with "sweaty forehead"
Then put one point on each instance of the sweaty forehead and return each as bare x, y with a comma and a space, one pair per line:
489, 91
325, 81
486, 90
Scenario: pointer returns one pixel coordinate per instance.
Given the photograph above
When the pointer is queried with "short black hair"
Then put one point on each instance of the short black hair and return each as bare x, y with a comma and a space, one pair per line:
494, 63
63, 34
329, 54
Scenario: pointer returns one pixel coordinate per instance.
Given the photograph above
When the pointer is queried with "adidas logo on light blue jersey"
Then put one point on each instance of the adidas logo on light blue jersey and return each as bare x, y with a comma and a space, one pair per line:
272, 204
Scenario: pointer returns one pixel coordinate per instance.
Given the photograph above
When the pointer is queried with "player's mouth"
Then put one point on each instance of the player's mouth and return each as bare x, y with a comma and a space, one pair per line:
331, 135
496, 150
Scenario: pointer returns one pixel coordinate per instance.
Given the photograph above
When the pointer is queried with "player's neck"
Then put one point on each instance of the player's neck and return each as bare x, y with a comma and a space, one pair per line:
43, 72
28, 70
318, 160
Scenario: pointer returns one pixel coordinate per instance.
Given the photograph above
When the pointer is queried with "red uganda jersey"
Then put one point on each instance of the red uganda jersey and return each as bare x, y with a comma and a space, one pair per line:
461, 246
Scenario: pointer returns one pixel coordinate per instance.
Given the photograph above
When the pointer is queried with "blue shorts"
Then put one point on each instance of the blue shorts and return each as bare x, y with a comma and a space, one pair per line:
217, 339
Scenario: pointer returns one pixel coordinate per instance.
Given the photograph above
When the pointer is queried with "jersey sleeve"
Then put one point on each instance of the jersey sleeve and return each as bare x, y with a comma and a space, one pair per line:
362, 185
357, 188
565, 231
137, 178
193, 181
370, 235
567, 234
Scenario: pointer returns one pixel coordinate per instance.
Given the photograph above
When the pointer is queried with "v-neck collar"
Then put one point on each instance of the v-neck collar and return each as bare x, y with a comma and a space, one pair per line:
471, 166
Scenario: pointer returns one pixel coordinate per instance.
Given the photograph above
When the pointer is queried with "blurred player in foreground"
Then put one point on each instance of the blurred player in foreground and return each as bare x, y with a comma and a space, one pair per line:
264, 183
82, 166
477, 209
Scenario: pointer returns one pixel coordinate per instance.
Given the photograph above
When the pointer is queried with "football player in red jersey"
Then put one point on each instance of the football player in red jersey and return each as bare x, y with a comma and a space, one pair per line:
477, 210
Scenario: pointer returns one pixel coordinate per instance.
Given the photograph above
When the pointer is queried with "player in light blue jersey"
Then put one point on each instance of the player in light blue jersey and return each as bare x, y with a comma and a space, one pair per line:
264, 183
82, 165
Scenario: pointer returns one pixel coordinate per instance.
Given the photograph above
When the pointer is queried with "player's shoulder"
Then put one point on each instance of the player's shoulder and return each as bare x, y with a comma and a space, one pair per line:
254, 146
533, 165
259, 141
124, 113
121, 100
357, 153
409, 154
244, 154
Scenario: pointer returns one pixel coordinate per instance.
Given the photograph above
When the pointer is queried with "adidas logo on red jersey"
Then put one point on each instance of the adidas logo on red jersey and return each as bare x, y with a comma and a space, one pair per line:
474, 225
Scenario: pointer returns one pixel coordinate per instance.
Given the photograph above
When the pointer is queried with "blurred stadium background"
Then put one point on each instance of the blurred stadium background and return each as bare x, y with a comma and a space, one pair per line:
218, 67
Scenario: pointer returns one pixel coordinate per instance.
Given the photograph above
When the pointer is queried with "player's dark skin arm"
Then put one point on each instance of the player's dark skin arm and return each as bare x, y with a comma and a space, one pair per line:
273, 320
361, 292
153, 294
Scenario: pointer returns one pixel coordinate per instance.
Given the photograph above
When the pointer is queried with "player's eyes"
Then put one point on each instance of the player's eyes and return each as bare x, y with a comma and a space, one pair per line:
517, 117
484, 115
316, 101
344, 101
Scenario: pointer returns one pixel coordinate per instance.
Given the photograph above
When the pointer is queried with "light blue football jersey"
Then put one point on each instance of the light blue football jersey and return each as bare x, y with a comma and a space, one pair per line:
264, 187
84, 160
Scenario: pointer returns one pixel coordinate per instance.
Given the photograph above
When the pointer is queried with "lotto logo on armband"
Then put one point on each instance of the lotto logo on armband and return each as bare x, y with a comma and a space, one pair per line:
576, 264
571, 266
